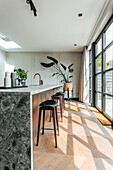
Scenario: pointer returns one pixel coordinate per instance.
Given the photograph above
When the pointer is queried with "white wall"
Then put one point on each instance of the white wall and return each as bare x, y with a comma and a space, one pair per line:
2, 67
67, 59
31, 62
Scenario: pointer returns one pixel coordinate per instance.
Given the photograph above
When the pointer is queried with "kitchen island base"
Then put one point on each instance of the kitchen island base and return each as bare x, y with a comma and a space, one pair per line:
18, 125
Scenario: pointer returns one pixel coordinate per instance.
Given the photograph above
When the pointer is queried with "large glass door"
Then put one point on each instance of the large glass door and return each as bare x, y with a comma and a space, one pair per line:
104, 70
90, 75
108, 71
98, 74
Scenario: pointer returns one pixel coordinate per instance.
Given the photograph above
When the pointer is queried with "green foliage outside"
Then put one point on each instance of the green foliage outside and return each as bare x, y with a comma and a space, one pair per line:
99, 61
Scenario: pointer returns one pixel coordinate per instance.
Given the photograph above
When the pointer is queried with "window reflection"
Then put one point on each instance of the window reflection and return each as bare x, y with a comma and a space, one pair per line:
108, 35
108, 58
98, 82
99, 47
108, 82
109, 106
99, 63
98, 100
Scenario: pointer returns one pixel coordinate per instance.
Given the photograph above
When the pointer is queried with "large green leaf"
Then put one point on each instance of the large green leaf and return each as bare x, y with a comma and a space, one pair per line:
70, 76
55, 74
64, 67
62, 81
70, 66
53, 59
47, 64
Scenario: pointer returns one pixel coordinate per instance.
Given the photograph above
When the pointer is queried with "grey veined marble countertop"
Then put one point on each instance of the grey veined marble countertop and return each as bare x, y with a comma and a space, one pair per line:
16, 133
33, 89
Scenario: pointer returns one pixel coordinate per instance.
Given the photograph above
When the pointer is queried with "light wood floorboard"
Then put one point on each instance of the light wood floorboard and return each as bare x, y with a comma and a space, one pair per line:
84, 143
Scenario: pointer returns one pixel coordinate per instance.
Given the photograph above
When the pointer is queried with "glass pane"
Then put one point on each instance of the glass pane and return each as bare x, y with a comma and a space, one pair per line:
99, 47
90, 56
98, 100
89, 96
90, 69
99, 63
108, 82
90, 83
108, 36
108, 58
98, 82
109, 106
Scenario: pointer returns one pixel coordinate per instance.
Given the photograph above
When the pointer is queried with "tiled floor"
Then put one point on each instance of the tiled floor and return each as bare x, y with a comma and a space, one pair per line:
83, 144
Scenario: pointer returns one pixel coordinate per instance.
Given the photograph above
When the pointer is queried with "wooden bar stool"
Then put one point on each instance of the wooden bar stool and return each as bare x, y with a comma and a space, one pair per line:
52, 106
63, 100
59, 97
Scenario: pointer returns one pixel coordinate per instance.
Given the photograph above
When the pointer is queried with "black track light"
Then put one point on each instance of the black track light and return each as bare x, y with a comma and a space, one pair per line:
32, 7
35, 14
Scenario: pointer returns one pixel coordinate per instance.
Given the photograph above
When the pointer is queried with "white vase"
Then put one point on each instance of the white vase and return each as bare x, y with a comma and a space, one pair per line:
7, 82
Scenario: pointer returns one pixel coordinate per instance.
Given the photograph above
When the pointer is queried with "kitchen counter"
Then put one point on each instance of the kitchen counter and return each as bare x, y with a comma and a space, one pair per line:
18, 124
32, 89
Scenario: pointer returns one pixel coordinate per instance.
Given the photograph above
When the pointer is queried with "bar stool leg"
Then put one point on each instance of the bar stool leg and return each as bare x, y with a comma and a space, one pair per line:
43, 122
57, 120
53, 113
63, 101
50, 116
61, 110
39, 120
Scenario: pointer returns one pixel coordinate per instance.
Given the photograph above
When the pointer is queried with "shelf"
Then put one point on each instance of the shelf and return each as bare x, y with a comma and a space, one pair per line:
13, 87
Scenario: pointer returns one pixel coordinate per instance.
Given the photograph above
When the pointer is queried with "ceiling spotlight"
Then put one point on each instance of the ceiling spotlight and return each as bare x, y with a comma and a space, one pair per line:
32, 7
80, 15
75, 44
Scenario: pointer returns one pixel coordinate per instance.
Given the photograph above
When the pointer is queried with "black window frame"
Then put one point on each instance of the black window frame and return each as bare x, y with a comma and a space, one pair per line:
102, 72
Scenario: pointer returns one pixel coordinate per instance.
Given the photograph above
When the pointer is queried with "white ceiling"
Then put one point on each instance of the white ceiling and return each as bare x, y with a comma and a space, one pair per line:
57, 26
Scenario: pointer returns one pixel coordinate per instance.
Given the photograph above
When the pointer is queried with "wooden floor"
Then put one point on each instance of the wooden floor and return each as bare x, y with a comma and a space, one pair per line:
83, 144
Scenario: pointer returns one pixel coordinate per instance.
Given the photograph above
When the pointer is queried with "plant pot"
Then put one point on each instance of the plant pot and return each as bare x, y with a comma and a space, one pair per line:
23, 82
67, 86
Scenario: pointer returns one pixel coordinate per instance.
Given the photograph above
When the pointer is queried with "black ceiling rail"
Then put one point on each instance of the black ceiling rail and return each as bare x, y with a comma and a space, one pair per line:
30, 2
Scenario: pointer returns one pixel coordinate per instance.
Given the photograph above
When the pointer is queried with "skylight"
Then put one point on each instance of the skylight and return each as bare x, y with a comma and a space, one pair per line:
6, 43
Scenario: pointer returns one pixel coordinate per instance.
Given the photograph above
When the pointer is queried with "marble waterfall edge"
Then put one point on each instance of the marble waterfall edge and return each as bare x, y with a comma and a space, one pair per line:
15, 139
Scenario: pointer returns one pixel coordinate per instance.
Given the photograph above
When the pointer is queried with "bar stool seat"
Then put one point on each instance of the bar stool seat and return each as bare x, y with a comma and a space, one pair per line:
60, 92
52, 106
48, 103
58, 97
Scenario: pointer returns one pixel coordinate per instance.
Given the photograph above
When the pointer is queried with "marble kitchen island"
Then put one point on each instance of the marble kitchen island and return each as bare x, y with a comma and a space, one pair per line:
18, 124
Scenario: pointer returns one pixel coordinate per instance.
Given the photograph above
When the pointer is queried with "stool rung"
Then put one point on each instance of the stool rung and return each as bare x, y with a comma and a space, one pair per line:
48, 129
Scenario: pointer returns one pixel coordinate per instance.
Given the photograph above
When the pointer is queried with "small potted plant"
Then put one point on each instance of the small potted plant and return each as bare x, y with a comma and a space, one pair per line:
61, 70
22, 74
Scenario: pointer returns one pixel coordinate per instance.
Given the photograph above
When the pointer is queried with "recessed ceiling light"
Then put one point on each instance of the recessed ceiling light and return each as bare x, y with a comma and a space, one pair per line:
75, 44
80, 15
6, 43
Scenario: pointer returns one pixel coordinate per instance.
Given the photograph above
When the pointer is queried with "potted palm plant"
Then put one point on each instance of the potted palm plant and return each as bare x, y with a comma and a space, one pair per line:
62, 71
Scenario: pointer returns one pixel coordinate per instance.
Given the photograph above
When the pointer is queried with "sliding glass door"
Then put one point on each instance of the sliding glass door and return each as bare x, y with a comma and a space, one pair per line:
108, 71
90, 75
98, 74
104, 70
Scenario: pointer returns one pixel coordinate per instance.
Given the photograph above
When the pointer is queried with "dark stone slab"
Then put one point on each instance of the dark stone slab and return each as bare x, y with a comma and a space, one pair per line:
15, 139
